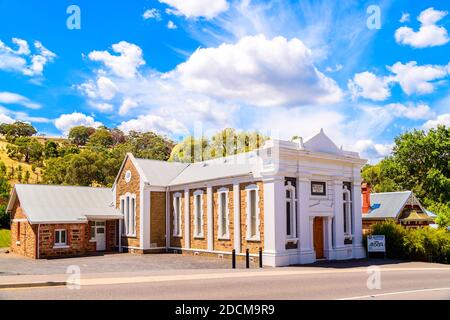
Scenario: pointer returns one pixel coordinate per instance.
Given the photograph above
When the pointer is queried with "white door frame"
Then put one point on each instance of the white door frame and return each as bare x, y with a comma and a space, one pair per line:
100, 245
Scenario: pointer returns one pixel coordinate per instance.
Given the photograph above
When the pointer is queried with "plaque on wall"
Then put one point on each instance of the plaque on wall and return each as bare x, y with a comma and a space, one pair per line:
318, 188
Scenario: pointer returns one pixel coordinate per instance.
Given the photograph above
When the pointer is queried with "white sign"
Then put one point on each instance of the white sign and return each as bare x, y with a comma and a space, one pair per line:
376, 244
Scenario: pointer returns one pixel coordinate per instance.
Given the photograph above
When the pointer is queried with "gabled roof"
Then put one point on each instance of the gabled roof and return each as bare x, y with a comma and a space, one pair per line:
387, 204
61, 204
322, 143
160, 173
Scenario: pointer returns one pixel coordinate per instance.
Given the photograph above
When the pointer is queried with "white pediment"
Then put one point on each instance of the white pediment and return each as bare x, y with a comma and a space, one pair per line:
321, 143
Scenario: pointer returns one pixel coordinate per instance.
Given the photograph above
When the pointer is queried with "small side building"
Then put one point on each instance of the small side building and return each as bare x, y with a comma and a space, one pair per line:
402, 207
59, 221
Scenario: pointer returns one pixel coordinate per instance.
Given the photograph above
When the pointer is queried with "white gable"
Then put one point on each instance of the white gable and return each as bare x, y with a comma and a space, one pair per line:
321, 143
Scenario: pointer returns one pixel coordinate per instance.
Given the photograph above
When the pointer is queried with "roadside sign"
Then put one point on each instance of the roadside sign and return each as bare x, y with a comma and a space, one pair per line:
376, 244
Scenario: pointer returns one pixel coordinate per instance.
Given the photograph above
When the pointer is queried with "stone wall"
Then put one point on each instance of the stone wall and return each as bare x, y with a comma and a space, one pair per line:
157, 219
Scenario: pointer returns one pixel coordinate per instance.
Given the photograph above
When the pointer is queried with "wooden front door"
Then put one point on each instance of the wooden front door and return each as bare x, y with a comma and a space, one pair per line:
318, 237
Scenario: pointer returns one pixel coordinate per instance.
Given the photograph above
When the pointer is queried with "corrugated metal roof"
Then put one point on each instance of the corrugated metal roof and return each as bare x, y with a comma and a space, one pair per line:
209, 171
160, 173
51, 204
387, 204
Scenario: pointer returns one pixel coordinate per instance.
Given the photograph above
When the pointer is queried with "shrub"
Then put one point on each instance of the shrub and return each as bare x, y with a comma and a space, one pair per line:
394, 234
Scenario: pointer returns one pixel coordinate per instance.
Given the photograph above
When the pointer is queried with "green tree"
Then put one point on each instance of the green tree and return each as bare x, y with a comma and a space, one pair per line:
25, 148
101, 138
4, 195
17, 129
51, 149
79, 135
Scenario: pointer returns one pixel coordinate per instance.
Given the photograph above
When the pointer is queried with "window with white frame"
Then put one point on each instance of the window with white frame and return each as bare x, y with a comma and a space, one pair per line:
291, 209
177, 215
224, 229
347, 210
198, 214
128, 210
252, 212
60, 237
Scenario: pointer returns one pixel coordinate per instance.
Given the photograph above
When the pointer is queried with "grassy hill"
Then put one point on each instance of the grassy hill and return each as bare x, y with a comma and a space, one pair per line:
35, 176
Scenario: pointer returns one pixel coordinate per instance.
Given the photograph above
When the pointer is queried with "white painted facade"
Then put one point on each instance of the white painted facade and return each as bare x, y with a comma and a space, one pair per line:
281, 166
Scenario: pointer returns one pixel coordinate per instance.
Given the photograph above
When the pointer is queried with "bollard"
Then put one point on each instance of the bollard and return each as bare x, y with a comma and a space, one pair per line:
233, 259
260, 258
247, 259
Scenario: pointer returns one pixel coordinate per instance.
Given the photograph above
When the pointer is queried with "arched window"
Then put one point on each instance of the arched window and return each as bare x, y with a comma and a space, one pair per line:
348, 214
291, 209
128, 210
177, 215
198, 214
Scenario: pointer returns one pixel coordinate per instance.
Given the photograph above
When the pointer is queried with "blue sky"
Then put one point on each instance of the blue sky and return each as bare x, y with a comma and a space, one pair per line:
283, 67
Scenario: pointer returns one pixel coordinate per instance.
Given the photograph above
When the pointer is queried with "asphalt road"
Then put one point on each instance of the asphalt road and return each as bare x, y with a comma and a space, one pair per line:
422, 281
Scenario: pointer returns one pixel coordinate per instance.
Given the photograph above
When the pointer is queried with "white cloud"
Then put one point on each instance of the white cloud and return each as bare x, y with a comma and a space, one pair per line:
418, 79
143, 123
125, 64
22, 60
421, 111
127, 105
152, 14
14, 98
208, 9
443, 119
67, 121
258, 71
429, 34
404, 18
102, 106
4, 118
374, 151
369, 86
336, 68
171, 25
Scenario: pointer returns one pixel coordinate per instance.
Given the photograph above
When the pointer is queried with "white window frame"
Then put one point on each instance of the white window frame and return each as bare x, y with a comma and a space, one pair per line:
60, 244
198, 229
128, 211
177, 216
293, 212
348, 214
224, 230
257, 236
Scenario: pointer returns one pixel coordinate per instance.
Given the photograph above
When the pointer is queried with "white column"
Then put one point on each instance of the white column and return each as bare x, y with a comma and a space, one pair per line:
303, 224
275, 222
210, 217
311, 232
338, 214
187, 219
237, 217
120, 234
144, 216
357, 214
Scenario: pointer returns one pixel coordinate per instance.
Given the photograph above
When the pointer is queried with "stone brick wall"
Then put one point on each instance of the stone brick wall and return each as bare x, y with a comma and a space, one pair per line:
23, 234
195, 242
158, 219
221, 244
253, 246
133, 187
176, 242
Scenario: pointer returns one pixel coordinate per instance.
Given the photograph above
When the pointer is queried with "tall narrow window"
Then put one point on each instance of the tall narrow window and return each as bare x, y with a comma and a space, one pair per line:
177, 215
122, 210
133, 217
127, 216
198, 214
252, 213
223, 214
347, 211
291, 218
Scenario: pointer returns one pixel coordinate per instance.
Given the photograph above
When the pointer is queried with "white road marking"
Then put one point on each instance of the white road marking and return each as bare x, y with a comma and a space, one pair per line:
394, 293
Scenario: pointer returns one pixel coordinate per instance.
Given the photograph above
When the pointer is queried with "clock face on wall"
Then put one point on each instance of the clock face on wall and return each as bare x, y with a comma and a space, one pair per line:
128, 176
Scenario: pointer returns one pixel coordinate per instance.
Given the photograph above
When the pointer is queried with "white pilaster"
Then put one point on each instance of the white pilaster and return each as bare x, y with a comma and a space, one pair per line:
144, 217
210, 217
358, 249
275, 223
338, 214
187, 220
237, 217
303, 192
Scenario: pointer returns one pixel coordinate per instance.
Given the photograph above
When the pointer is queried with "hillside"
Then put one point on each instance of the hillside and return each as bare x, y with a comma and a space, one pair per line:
35, 176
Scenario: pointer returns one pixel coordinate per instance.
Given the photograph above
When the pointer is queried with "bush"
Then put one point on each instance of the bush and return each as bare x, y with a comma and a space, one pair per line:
395, 235
425, 244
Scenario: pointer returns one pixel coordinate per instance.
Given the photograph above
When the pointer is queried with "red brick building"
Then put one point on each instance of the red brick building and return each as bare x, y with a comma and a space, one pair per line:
54, 221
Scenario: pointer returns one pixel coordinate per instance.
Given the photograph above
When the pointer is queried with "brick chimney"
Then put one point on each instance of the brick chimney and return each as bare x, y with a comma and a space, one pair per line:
365, 191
